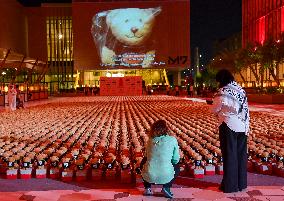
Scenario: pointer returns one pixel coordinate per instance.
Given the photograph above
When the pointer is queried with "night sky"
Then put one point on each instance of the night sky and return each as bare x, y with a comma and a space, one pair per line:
212, 20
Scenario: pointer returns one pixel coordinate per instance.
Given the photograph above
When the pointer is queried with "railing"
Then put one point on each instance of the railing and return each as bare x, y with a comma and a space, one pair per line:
37, 95
31, 96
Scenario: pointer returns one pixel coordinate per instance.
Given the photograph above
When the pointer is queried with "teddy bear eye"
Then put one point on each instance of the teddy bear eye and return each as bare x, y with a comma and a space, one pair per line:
126, 21
140, 20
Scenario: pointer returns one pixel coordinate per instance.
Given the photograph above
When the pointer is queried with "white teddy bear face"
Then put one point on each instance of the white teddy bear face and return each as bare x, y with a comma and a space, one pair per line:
132, 26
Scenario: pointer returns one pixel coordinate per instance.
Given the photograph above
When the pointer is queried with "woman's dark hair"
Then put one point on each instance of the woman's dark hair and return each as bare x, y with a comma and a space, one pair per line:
224, 77
159, 128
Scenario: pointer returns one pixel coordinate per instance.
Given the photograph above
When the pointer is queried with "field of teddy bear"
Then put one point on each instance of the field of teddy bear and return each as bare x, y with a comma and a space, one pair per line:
104, 138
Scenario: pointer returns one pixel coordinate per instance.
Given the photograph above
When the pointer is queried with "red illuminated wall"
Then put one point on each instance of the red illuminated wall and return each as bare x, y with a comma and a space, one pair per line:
121, 86
172, 30
282, 19
36, 33
262, 19
13, 26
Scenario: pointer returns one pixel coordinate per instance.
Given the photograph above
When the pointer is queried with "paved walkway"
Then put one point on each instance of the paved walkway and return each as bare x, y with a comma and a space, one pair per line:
184, 189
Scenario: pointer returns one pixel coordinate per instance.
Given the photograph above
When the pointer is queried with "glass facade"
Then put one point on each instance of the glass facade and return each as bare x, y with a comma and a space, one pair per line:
60, 52
59, 38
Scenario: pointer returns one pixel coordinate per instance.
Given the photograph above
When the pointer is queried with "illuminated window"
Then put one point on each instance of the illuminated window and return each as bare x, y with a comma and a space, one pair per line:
59, 38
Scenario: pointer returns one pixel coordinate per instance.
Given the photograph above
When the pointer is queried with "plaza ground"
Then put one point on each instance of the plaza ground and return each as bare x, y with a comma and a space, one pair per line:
261, 187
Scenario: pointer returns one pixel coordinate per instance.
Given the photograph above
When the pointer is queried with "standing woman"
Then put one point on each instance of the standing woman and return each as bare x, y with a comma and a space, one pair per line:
162, 153
12, 95
231, 107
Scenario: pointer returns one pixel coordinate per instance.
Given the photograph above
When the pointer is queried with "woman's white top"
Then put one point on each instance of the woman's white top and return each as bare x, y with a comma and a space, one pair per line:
231, 106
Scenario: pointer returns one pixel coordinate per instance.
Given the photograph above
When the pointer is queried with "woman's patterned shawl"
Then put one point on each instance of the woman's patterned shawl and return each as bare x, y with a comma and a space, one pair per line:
238, 95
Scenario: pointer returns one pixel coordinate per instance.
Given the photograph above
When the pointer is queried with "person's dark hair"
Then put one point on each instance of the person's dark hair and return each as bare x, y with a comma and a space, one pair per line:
224, 77
159, 128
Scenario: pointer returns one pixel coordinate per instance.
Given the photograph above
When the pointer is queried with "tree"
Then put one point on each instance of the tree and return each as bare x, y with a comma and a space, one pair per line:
229, 60
240, 66
208, 76
250, 57
279, 54
257, 57
268, 57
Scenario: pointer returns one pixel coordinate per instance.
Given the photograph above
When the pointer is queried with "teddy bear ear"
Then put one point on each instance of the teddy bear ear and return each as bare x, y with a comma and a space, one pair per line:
99, 28
99, 19
154, 11
99, 24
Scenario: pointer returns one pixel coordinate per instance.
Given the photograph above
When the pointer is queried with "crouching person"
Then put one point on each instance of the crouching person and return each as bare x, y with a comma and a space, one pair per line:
162, 153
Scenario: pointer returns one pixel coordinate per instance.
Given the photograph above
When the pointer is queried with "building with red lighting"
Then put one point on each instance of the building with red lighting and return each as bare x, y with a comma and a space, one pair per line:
261, 20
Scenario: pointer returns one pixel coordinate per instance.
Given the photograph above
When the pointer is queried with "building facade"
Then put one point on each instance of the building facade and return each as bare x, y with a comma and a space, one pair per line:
262, 20
52, 32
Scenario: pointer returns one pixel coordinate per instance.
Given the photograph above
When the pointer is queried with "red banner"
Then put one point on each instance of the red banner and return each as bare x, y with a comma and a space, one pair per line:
121, 86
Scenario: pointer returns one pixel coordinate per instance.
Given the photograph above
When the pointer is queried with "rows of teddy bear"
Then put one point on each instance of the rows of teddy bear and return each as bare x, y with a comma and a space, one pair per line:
84, 132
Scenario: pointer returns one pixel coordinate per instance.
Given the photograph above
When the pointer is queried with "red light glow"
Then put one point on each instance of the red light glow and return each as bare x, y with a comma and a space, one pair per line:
282, 19
261, 29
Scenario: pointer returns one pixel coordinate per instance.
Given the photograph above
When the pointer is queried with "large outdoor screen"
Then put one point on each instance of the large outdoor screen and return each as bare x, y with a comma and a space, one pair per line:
131, 35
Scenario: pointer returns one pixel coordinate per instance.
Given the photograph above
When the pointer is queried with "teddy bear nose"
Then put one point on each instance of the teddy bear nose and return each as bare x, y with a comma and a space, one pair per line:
134, 29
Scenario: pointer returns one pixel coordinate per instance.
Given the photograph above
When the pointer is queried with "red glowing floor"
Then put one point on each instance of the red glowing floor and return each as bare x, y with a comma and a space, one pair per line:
184, 189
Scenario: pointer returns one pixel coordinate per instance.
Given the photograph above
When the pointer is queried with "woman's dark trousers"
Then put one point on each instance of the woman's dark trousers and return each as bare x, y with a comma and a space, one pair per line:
234, 151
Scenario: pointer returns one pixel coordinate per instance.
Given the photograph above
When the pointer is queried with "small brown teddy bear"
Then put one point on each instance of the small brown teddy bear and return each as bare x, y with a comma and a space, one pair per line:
27, 162
80, 163
198, 162
41, 161
125, 162
95, 162
65, 164
110, 161
209, 159
54, 161
75, 153
11, 163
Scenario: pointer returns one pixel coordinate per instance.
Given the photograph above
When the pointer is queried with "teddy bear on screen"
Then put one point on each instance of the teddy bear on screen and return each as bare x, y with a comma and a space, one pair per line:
124, 36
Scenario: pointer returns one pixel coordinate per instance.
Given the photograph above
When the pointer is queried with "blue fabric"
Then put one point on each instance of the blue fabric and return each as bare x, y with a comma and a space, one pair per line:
161, 152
